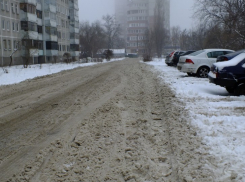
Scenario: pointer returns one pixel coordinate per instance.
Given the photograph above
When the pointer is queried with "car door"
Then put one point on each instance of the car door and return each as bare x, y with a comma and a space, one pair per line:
212, 56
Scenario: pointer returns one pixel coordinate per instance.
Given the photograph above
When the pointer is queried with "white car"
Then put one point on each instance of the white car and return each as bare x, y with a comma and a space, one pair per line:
199, 62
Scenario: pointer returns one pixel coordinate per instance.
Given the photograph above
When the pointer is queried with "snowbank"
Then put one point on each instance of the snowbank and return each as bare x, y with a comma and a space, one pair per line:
218, 115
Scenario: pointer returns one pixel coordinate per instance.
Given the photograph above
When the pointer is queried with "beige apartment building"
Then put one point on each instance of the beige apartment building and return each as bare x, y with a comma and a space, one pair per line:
44, 31
135, 17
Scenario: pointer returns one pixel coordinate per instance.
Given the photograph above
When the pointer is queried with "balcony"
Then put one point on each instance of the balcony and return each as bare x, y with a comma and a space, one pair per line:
28, 17
74, 41
34, 2
51, 52
50, 23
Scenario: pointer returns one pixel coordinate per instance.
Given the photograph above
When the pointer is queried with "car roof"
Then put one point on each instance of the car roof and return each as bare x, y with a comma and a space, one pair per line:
233, 54
218, 50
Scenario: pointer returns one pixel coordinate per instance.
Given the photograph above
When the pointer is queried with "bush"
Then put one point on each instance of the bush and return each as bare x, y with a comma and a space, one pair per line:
147, 58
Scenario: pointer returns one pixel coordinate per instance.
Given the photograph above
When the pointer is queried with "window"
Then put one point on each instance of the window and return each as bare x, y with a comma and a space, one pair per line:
28, 26
3, 24
6, 6
29, 8
64, 48
39, 14
39, 29
50, 45
74, 47
7, 25
13, 26
17, 27
2, 4
16, 8
15, 47
9, 44
5, 44
51, 30
12, 7
215, 54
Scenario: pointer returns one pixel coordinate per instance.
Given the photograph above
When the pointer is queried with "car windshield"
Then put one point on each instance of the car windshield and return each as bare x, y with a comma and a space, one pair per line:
196, 53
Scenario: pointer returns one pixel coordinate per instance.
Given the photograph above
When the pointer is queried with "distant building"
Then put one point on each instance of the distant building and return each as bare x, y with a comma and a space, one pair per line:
44, 30
135, 16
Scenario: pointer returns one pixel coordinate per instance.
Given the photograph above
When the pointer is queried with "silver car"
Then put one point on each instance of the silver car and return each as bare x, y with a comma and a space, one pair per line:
200, 62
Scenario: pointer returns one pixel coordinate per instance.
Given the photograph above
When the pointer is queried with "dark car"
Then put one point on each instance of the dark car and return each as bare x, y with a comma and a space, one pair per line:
169, 59
230, 74
229, 56
176, 57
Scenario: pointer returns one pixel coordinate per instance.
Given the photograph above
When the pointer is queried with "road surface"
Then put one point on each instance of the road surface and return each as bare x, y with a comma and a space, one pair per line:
109, 122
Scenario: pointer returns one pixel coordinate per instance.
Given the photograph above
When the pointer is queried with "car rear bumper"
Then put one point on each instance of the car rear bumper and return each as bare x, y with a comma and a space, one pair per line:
168, 61
223, 82
186, 68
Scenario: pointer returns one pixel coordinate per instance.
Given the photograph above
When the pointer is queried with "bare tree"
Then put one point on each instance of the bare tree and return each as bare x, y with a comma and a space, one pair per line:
160, 32
112, 30
149, 45
92, 38
175, 36
16, 48
228, 16
29, 49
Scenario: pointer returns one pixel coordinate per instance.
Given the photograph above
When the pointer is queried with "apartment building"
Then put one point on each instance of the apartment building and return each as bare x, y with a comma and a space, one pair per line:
42, 31
9, 30
135, 17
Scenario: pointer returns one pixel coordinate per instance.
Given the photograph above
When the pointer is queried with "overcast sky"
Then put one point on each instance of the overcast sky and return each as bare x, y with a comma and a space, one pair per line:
92, 10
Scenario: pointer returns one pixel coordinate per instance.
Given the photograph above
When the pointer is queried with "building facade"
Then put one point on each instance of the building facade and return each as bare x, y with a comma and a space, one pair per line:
135, 17
38, 31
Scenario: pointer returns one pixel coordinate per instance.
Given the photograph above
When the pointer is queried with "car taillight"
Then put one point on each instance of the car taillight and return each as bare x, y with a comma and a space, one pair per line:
189, 61
171, 54
215, 71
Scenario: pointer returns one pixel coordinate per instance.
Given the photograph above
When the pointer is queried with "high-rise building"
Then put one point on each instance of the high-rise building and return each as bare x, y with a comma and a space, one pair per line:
9, 30
41, 31
135, 17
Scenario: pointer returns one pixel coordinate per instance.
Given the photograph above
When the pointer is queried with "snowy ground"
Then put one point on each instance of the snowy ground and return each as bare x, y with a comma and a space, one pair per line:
219, 116
17, 74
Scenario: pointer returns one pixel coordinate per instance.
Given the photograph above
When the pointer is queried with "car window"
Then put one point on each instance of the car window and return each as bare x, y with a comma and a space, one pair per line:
228, 52
215, 54
196, 53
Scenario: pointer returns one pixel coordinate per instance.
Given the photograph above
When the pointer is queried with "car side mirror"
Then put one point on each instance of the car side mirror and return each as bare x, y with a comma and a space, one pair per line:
243, 65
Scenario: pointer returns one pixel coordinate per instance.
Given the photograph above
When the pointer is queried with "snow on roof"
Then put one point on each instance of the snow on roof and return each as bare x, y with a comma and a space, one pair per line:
232, 62
118, 51
115, 51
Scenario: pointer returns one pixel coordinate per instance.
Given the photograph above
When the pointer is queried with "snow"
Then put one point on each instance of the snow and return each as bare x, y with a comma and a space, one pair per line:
218, 115
17, 74
232, 62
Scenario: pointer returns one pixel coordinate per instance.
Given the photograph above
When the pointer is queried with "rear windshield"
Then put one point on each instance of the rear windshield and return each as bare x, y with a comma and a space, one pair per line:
196, 53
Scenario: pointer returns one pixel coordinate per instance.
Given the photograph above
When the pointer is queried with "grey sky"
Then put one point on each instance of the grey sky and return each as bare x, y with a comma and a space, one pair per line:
92, 10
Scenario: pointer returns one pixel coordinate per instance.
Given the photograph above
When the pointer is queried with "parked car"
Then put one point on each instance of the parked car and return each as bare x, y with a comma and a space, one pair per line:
229, 56
230, 74
171, 58
200, 62
176, 60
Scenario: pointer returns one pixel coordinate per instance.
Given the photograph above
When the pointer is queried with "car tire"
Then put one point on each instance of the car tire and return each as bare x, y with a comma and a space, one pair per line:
231, 90
203, 71
240, 90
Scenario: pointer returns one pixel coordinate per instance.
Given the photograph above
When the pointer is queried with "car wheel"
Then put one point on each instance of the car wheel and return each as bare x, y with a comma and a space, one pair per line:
203, 72
230, 89
240, 90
